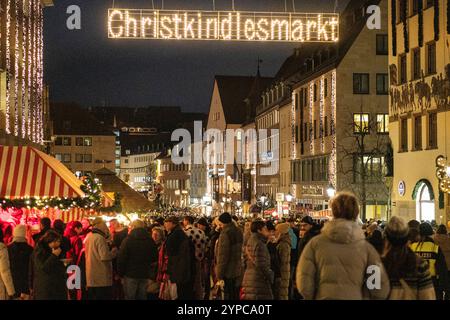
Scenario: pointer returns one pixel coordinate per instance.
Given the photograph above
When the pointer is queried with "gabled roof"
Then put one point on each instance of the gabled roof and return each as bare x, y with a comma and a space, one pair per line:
233, 91
351, 23
131, 201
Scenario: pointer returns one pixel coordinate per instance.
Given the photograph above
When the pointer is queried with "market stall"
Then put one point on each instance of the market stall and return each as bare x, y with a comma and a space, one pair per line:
34, 185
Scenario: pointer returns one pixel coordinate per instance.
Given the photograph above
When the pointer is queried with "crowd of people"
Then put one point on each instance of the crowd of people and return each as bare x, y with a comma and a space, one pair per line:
227, 258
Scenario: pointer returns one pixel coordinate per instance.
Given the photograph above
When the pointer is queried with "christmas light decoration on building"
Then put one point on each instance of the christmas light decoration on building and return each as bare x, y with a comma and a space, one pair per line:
16, 68
311, 117
333, 157
443, 174
24, 63
40, 75
293, 141
322, 112
8, 67
221, 25
29, 67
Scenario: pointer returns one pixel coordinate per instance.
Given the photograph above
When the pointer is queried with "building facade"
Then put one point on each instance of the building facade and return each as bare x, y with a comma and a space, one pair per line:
80, 142
23, 98
339, 117
175, 179
139, 171
419, 66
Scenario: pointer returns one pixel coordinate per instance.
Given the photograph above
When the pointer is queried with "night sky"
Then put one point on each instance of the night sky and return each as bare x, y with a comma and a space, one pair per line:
86, 67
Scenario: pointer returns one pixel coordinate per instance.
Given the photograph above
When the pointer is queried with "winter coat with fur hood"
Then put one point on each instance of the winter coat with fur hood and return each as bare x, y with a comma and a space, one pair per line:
281, 287
334, 265
6, 281
258, 277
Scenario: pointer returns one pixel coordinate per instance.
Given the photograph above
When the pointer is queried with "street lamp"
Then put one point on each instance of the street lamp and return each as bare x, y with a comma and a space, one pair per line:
239, 204
263, 199
331, 191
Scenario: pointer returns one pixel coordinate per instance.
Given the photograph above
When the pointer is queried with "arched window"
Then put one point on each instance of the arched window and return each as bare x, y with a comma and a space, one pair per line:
424, 196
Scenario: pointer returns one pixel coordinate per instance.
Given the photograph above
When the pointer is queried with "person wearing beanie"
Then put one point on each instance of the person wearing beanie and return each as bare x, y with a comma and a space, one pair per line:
408, 274
225, 218
99, 256
19, 260
138, 254
178, 263
228, 256
432, 254
283, 249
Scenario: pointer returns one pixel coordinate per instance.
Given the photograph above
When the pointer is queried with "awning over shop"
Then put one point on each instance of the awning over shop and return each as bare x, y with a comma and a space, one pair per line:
29, 173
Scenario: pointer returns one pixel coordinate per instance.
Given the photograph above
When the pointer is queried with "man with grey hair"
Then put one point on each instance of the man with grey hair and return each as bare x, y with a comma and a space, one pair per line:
137, 254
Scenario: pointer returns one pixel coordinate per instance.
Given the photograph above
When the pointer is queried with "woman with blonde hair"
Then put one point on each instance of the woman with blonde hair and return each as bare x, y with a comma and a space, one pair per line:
337, 263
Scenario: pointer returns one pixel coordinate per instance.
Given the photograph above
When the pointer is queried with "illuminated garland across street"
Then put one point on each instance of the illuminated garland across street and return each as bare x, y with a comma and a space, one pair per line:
222, 25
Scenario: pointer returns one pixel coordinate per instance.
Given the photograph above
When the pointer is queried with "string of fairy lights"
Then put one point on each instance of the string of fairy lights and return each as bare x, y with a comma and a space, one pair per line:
293, 141
333, 165
8, 67
24, 69
24, 63
16, 68
322, 114
311, 116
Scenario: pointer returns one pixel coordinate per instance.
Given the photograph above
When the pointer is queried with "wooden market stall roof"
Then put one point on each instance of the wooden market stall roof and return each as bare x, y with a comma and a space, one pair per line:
131, 200
26, 172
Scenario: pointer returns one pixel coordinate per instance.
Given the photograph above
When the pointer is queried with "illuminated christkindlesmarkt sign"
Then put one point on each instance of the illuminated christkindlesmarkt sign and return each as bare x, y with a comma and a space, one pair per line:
221, 25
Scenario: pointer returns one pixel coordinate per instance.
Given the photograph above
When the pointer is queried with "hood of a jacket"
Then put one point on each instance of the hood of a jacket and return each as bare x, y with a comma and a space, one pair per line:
285, 238
139, 234
343, 231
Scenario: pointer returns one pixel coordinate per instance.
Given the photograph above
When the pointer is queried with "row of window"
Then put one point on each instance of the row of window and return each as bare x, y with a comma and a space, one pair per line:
79, 158
416, 64
310, 170
431, 122
174, 167
273, 94
268, 120
79, 141
361, 83
374, 168
176, 184
362, 123
412, 7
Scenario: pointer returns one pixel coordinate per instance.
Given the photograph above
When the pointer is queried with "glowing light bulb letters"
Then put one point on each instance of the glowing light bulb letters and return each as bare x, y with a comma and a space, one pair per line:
221, 25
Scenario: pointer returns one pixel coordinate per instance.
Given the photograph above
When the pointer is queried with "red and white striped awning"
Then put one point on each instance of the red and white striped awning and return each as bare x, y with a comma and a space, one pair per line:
29, 173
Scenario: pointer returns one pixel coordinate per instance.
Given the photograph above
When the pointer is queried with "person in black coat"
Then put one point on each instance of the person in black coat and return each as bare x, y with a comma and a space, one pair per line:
60, 227
134, 263
49, 272
19, 252
180, 252
45, 225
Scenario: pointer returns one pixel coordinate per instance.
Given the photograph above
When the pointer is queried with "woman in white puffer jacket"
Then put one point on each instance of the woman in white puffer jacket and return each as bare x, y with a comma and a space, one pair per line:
6, 281
335, 264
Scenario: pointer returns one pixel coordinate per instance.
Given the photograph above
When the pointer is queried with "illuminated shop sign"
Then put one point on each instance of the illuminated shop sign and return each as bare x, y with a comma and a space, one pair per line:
222, 25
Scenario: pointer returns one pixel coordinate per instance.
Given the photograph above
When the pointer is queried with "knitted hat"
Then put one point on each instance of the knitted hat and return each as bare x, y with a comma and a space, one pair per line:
307, 220
225, 218
202, 222
397, 231
20, 231
425, 229
282, 228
